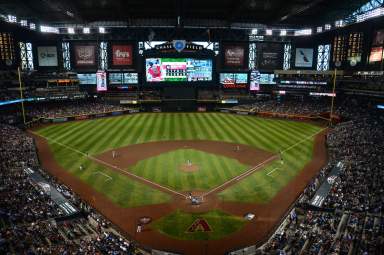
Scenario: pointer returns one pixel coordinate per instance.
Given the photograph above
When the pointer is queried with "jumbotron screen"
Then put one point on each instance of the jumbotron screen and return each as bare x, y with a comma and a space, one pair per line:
178, 70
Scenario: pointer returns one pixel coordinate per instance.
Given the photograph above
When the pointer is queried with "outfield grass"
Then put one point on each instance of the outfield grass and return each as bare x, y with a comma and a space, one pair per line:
165, 169
99, 135
177, 223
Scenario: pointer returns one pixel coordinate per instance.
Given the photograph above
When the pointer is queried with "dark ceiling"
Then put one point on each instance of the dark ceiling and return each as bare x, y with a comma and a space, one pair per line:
207, 12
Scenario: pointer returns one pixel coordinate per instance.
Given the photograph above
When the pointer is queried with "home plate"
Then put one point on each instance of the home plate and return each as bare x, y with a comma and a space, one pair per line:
249, 216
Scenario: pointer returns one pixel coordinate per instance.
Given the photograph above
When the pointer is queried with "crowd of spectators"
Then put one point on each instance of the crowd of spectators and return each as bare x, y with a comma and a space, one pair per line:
32, 223
71, 108
292, 106
350, 221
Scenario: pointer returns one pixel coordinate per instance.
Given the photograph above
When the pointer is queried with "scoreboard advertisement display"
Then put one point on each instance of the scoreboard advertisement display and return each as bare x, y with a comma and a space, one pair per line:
234, 55
267, 79
123, 78
122, 55
304, 57
85, 55
178, 70
47, 56
101, 81
254, 81
234, 80
87, 78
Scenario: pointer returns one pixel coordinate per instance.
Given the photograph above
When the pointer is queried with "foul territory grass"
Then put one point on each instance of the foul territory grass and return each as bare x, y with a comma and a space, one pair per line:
212, 170
176, 225
99, 135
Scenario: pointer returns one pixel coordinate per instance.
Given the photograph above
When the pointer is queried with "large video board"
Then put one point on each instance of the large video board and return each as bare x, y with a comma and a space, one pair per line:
178, 70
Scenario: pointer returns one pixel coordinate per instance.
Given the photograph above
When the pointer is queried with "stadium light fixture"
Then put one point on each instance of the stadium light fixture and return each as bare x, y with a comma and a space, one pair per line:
301, 32
268, 32
23, 23
102, 30
32, 26
327, 26
254, 31
71, 30
11, 19
339, 23
319, 29
283, 32
86, 30
48, 29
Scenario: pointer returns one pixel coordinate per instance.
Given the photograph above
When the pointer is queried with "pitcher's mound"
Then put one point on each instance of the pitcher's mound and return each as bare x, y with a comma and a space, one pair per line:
189, 168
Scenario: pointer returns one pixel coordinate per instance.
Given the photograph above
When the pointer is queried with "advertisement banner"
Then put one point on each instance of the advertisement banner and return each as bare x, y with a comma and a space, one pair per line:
254, 81
270, 56
101, 81
304, 57
85, 55
81, 117
376, 54
378, 40
234, 55
122, 55
47, 56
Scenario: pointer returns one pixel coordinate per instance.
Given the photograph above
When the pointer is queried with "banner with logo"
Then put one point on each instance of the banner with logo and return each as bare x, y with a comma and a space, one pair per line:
376, 54
304, 57
85, 55
254, 81
234, 56
378, 40
101, 81
47, 56
270, 56
122, 55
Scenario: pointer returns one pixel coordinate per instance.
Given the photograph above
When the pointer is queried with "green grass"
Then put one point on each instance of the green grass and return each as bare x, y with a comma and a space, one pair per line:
262, 186
165, 169
99, 135
120, 189
177, 223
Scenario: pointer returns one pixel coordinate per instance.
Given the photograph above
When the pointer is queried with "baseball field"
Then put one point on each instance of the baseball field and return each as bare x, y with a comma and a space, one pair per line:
150, 165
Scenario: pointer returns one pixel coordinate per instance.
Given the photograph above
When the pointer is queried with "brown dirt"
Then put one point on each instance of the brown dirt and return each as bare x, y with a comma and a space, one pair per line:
130, 155
268, 216
189, 168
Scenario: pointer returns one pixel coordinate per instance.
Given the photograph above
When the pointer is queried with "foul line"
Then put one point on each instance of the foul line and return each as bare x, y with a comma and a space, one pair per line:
272, 171
109, 178
112, 166
299, 142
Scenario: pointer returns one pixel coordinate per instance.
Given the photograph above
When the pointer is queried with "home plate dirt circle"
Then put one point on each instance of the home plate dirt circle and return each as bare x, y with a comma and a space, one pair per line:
189, 168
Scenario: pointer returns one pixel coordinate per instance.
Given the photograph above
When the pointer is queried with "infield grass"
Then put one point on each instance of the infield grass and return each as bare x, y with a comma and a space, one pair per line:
212, 170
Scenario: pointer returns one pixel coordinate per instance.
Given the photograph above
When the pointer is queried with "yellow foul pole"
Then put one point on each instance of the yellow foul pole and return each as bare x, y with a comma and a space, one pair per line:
333, 96
21, 95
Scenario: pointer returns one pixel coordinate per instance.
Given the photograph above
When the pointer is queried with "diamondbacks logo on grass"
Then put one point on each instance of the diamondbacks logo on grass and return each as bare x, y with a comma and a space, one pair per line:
199, 225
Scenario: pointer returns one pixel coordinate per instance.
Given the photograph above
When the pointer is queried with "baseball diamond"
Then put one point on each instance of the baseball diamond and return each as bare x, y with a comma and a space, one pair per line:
236, 162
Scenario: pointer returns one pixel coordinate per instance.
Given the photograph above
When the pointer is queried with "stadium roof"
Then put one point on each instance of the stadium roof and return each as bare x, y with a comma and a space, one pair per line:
203, 12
